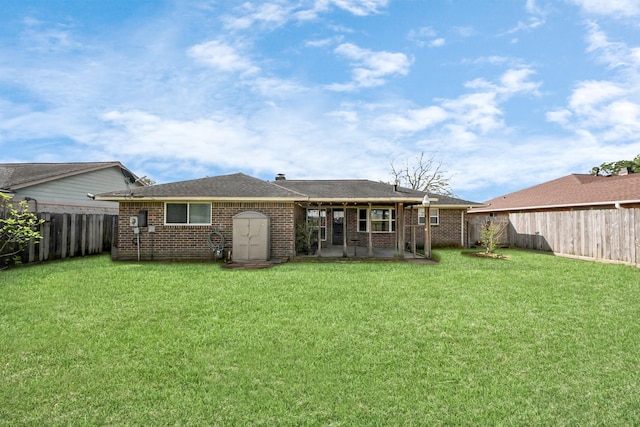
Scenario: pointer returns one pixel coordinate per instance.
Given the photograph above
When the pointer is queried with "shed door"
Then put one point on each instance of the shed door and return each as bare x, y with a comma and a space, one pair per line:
250, 237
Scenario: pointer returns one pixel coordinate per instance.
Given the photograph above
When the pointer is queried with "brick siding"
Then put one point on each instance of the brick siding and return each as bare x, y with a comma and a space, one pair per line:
446, 233
190, 242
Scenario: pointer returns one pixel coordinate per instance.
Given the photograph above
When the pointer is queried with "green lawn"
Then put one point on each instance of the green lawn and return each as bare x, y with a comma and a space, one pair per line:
531, 340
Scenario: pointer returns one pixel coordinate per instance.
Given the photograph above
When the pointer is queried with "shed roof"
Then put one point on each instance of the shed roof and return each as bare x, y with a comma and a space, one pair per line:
575, 190
14, 176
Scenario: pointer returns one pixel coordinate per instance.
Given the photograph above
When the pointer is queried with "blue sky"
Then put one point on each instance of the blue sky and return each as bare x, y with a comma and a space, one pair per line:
505, 93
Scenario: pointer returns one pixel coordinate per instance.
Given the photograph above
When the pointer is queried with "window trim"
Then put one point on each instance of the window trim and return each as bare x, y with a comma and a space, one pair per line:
434, 216
367, 221
188, 214
321, 217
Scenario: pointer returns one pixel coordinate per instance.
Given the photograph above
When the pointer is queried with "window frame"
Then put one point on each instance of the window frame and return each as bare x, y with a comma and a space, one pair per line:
364, 224
188, 214
317, 217
434, 216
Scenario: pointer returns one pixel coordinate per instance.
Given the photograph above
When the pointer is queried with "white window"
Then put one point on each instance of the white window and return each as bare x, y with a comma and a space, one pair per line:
188, 213
383, 220
434, 216
317, 218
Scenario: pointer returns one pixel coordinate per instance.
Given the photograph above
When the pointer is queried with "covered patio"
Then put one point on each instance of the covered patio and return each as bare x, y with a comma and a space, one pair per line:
359, 252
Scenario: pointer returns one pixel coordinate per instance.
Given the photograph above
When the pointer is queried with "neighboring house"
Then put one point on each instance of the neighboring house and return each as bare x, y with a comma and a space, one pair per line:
280, 219
66, 187
581, 215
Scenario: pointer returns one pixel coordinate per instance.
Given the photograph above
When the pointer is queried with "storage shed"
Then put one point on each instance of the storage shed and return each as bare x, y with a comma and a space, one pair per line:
250, 237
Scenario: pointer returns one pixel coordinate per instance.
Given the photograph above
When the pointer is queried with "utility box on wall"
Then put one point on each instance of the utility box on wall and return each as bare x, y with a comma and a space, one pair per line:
251, 237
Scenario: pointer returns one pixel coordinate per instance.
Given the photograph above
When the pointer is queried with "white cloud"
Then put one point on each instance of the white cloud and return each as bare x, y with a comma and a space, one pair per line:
561, 117
536, 18
512, 81
627, 8
425, 36
589, 94
613, 54
324, 42
607, 109
516, 81
277, 13
42, 36
370, 68
221, 56
269, 14
414, 120
478, 112
358, 7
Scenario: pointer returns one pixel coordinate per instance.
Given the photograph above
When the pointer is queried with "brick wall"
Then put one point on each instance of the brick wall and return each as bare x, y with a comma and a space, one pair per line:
379, 240
446, 233
190, 242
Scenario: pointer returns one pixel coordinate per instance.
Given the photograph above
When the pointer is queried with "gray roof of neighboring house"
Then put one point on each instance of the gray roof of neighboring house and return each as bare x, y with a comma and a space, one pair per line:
239, 186
575, 190
14, 176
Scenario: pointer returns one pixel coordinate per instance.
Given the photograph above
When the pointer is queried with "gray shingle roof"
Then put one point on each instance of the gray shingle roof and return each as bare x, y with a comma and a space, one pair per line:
18, 175
349, 189
362, 189
236, 185
239, 186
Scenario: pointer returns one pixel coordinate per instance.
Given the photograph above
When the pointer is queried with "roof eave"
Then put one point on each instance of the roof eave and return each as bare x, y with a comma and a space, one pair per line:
68, 174
453, 206
560, 206
352, 200
134, 198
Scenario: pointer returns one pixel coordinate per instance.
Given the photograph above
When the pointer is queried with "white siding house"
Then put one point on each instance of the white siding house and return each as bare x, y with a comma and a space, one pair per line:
66, 187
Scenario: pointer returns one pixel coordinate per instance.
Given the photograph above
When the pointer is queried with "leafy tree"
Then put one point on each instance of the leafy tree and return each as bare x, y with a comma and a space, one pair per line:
614, 168
422, 173
491, 233
17, 228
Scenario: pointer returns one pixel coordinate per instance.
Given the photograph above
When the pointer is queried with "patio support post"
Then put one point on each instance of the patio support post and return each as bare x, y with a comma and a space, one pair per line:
413, 233
344, 230
319, 229
400, 229
427, 230
370, 252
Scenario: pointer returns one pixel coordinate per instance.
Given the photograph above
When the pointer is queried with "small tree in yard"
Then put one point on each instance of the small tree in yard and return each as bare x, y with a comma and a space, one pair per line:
491, 233
17, 228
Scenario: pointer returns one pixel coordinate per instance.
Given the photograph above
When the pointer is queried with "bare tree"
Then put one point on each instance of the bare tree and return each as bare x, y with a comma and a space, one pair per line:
422, 173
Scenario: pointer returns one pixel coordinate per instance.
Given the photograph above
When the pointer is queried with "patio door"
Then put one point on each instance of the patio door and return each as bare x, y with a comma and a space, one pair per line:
337, 227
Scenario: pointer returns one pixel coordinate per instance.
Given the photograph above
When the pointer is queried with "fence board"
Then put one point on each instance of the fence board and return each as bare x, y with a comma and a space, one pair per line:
69, 235
607, 234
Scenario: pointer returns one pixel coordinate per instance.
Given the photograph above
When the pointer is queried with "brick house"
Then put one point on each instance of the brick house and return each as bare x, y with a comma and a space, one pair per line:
280, 219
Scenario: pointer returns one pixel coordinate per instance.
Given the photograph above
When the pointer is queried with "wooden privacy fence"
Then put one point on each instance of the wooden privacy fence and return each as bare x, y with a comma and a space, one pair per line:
70, 235
604, 234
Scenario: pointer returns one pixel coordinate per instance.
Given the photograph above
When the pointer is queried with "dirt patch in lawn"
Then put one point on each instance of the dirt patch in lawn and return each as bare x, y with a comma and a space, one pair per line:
492, 255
